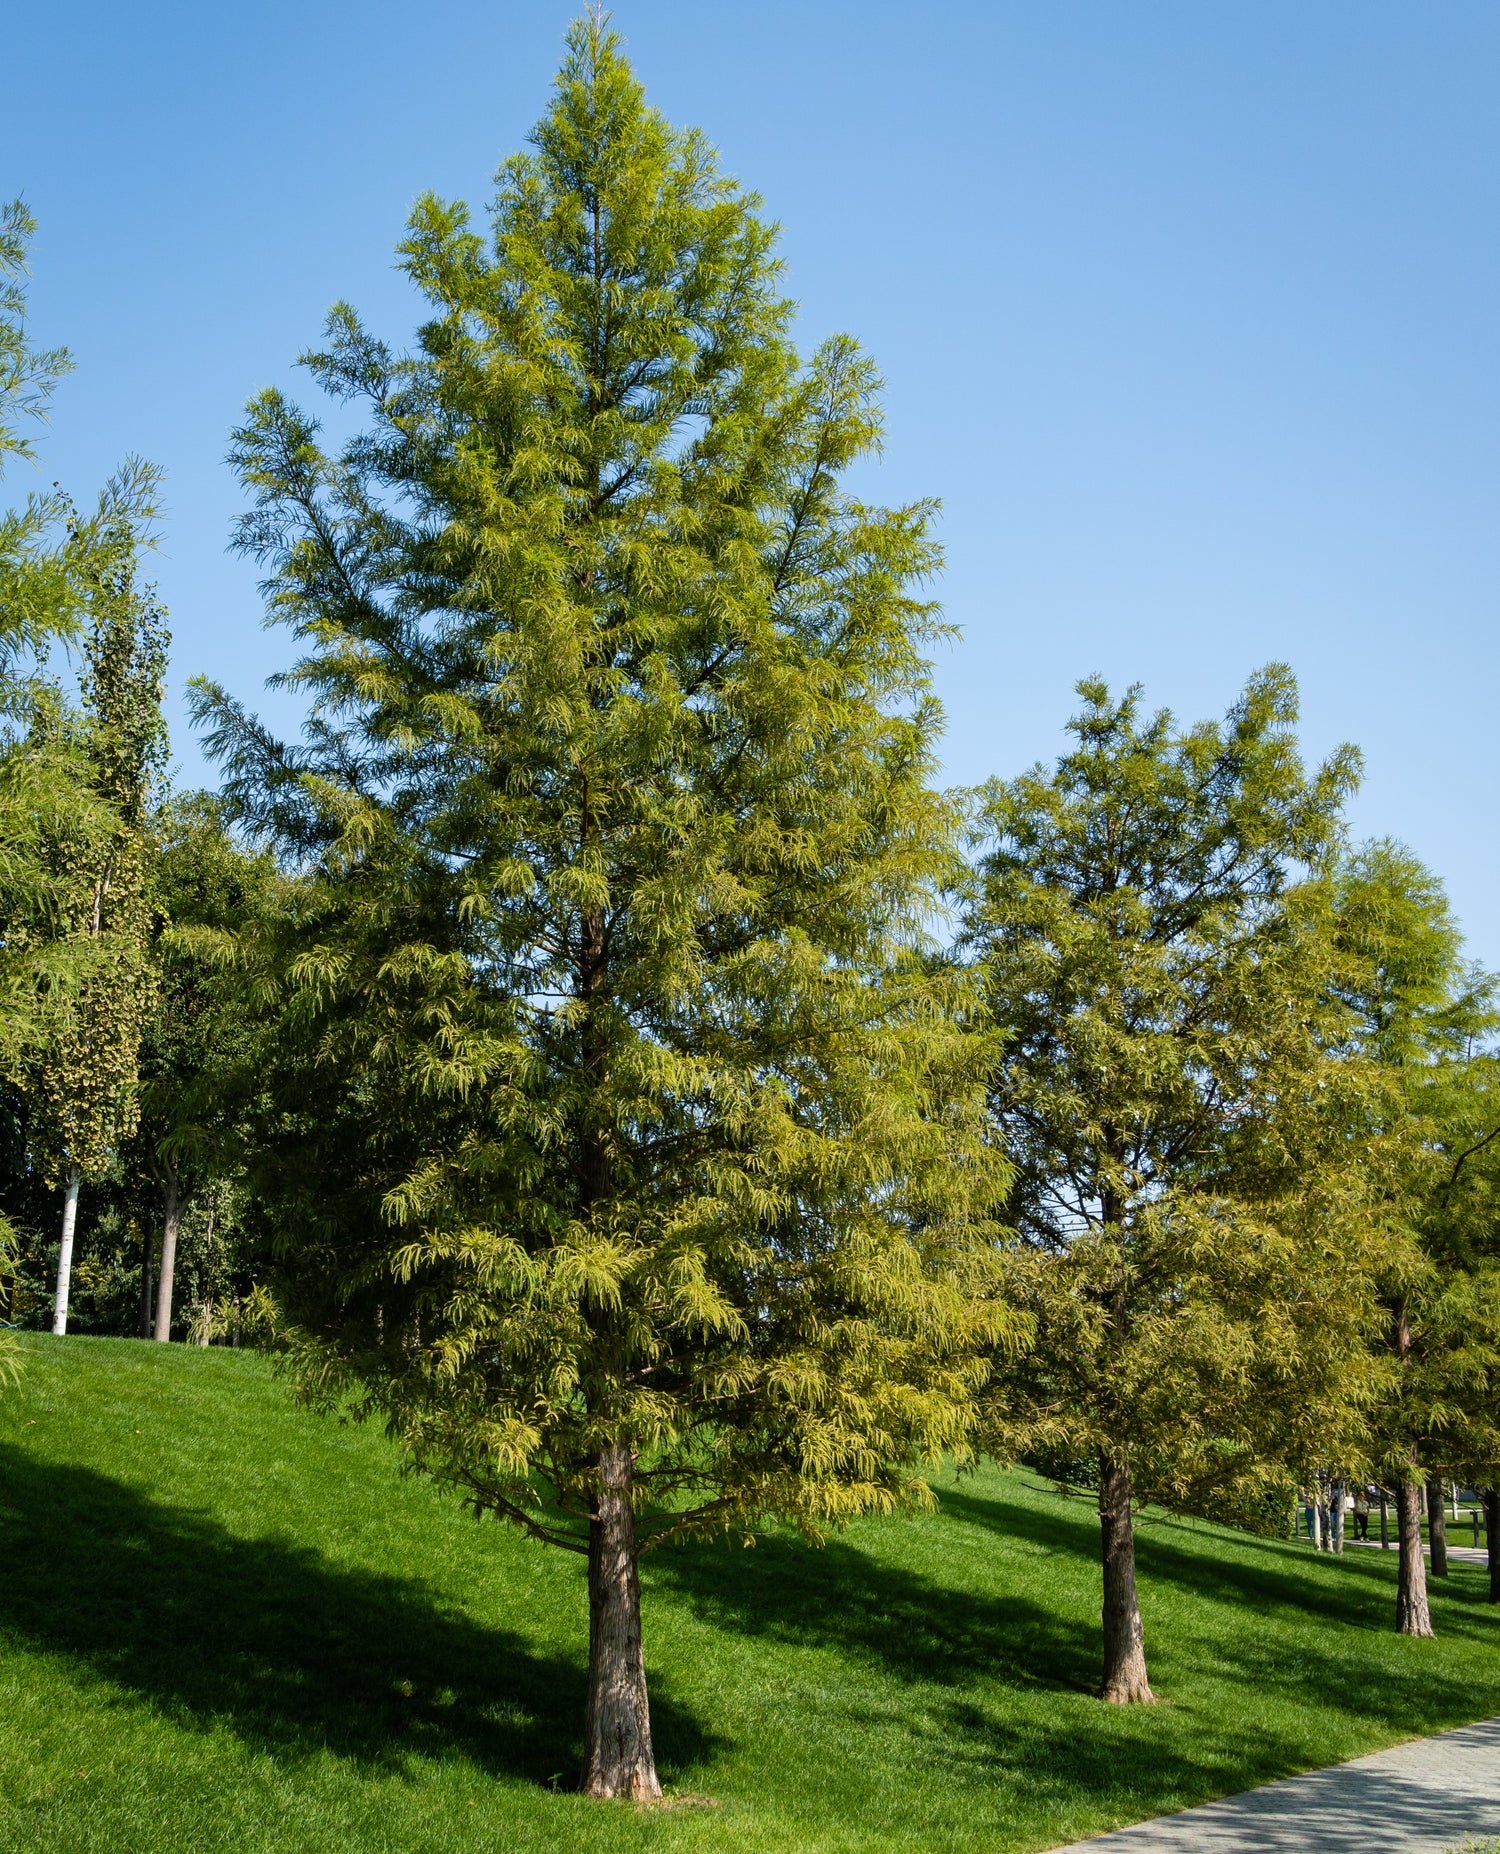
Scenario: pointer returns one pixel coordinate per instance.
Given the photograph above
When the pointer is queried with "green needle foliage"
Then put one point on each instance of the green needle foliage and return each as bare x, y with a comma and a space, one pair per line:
1426, 1022
626, 1148
1153, 930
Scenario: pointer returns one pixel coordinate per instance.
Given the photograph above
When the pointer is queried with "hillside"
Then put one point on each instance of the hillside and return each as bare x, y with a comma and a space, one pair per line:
225, 1623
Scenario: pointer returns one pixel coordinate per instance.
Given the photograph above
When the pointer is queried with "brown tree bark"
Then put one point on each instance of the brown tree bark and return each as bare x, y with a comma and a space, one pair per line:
1437, 1526
1385, 1520
618, 1760
1125, 1681
171, 1217
1492, 1542
1412, 1615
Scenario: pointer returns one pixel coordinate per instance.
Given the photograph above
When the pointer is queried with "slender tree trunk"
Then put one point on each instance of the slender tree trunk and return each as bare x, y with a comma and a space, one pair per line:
1412, 1616
618, 1759
1385, 1520
1336, 1518
206, 1312
171, 1215
1437, 1527
65, 1253
1315, 1513
148, 1249
1491, 1540
1125, 1681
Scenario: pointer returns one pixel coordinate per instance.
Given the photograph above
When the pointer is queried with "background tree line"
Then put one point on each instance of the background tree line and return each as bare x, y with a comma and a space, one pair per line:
596, 1049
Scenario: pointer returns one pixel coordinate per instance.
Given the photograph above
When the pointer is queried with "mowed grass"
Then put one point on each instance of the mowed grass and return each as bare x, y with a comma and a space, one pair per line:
226, 1623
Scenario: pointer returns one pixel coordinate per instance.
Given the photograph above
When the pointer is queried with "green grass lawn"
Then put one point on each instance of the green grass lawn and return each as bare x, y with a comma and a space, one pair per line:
225, 1623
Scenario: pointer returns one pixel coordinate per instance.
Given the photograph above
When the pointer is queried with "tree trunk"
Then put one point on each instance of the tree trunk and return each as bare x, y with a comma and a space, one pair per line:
1437, 1527
205, 1320
171, 1213
618, 1759
1385, 1520
65, 1253
148, 1249
1492, 1542
1315, 1516
1336, 1518
1412, 1617
1125, 1681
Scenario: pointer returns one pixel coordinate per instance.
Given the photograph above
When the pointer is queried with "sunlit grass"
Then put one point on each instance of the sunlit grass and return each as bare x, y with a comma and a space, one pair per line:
228, 1624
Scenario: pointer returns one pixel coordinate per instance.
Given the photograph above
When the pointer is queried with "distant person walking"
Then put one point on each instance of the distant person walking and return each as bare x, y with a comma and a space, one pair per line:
1362, 1513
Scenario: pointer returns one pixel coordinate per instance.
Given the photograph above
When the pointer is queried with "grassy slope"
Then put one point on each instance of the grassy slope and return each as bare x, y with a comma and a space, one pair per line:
228, 1624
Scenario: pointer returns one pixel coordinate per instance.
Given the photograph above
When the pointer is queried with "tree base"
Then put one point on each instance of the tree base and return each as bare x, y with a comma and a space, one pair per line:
637, 1786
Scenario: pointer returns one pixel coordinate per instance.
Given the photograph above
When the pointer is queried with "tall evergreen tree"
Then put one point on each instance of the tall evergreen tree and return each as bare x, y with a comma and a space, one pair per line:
623, 1146
1152, 930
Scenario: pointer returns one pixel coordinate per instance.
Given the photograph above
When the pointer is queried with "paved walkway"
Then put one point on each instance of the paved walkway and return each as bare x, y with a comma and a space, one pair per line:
1465, 1554
1420, 1798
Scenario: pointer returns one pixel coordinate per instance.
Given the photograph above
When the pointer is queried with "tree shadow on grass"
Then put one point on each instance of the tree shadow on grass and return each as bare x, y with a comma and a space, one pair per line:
1265, 1574
1261, 1578
918, 1629
1061, 1749
293, 1654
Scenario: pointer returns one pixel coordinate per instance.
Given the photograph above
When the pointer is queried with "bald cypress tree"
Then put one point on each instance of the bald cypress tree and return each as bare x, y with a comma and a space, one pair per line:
1154, 927
621, 1142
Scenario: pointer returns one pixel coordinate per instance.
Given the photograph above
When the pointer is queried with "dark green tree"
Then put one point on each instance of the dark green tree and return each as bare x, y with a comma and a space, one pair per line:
1152, 929
622, 1140
205, 888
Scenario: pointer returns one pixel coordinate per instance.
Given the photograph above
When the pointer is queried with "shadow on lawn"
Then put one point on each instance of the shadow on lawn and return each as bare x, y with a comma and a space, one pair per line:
1265, 1577
839, 1596
293, 1654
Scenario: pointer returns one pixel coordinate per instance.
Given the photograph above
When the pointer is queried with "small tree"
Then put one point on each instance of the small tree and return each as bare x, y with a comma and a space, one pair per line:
84, 1097
205, 888
1426, 1021
1152, 933
55, 819
622, 1146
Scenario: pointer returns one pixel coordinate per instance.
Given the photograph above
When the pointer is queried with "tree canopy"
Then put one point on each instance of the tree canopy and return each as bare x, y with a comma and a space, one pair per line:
626, 1149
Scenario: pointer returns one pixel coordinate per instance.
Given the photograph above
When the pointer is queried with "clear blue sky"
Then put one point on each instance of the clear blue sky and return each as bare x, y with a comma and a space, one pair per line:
1190, 313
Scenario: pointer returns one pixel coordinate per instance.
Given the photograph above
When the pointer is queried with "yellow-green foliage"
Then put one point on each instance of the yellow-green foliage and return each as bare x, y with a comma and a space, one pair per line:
610, 1088
1155, 930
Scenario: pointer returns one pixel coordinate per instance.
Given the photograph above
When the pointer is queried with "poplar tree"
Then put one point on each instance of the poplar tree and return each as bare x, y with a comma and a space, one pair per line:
84, 1098
623, 1146
57, 822
1152, 929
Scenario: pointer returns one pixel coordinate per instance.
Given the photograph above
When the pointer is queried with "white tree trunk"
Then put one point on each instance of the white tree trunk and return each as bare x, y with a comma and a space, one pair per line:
65, 1254
170, 1221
